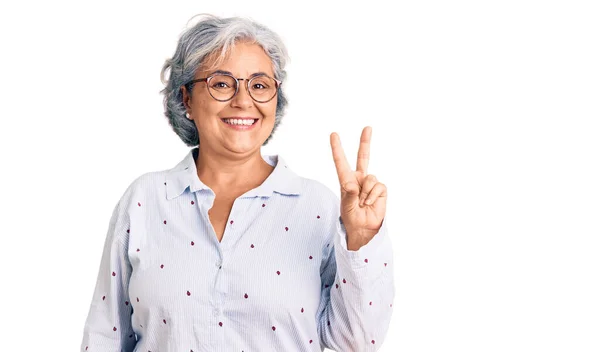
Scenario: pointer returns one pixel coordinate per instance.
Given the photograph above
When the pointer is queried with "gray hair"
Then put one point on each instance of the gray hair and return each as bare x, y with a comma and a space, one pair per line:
202, 41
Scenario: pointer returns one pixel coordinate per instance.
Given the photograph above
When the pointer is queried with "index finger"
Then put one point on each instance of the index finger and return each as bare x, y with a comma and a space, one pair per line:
364, 150
339, 158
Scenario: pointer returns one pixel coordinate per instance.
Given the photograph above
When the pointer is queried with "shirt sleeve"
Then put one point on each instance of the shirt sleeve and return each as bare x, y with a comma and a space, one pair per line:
357, 292
108, 324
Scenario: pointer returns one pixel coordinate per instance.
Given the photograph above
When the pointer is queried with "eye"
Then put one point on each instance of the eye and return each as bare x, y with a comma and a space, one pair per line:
261, 83
220, 85
222, 82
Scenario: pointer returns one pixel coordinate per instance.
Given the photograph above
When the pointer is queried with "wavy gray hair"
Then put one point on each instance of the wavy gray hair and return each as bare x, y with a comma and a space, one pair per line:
200, 42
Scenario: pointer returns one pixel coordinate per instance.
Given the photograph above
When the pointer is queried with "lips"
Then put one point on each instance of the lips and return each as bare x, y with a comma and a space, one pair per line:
245, 120
238, 118
248, 124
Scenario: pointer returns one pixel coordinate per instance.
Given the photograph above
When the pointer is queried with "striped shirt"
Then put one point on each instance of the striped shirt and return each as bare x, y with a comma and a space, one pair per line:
281, 279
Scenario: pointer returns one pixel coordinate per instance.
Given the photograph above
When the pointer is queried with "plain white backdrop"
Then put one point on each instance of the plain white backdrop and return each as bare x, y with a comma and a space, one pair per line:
486, 131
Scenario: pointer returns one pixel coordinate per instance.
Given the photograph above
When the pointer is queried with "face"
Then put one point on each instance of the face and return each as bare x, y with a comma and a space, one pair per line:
209, 114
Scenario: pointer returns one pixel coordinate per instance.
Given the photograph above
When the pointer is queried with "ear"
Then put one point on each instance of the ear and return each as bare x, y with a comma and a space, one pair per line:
186, 98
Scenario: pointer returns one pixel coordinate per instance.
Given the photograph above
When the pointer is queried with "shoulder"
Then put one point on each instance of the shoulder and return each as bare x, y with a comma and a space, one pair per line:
319, 192
142, 187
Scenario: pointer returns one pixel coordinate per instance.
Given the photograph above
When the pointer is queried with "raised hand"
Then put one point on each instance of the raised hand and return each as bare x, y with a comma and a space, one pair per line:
363, 198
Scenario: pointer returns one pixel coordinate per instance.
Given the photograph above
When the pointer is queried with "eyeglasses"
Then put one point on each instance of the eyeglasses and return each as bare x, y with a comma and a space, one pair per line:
223, 87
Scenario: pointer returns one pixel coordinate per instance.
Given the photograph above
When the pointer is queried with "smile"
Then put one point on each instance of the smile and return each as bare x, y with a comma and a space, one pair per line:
240, 124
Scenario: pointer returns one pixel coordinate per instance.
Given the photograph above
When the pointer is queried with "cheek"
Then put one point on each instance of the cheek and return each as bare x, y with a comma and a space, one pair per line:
269, 110
207, 107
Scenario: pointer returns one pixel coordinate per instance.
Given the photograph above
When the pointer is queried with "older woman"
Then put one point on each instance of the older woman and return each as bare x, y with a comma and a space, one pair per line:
231, 250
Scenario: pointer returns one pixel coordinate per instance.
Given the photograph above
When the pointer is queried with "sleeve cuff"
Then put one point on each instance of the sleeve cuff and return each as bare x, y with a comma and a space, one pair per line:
374, 250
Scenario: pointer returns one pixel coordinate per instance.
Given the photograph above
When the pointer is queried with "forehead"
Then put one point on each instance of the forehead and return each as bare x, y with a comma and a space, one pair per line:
243, 59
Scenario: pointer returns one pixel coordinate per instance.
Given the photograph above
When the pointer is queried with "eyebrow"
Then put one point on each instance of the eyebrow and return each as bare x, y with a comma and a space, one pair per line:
229, 73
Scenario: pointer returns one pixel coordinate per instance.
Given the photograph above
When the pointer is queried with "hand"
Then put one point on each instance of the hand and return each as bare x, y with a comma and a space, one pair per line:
363, 198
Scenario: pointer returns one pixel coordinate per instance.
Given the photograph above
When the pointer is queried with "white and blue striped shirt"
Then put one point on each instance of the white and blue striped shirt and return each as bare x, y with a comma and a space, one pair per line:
281, 279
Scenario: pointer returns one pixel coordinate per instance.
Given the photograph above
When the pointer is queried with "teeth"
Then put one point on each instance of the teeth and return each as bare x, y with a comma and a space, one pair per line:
244, 122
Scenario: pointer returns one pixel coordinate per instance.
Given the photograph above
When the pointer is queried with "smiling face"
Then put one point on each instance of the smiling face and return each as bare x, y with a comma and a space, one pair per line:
209, 115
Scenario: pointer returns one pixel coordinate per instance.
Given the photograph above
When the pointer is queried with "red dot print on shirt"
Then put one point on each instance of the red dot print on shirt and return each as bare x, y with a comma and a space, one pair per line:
328, 323
192, 202
273, 328
286, 228
278, 272
126, 303
302, 310
309, 341
162, 266
192, 243
165, 222
373, 341
366, 260
164, 321
86, 347
318, 217
137, 250
263, 205
115, 328
114, 274
252, 246
344, 281
220, 323
138, 299
139, 204
310, 257
127, 230
384, 264
245, 295
188, 293
337, 286
370, 303
231, 222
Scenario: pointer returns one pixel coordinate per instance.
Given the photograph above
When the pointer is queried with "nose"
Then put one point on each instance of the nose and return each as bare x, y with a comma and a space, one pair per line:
242, 97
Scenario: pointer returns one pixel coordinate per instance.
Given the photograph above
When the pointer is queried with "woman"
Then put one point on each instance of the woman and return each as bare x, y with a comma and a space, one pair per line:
231, 250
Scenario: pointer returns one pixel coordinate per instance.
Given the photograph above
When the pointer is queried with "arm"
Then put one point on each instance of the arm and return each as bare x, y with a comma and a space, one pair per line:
358, 305
108, 324
354, 315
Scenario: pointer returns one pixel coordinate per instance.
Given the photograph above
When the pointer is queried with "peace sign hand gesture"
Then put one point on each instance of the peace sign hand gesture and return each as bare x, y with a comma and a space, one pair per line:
363, 198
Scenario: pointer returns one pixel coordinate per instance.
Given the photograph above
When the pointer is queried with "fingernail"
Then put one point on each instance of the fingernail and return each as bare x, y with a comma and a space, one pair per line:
368, 201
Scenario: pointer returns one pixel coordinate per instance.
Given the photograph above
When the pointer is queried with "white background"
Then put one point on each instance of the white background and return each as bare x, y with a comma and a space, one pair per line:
485, 120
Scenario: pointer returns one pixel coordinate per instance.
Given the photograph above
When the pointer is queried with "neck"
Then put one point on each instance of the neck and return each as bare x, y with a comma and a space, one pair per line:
226, 174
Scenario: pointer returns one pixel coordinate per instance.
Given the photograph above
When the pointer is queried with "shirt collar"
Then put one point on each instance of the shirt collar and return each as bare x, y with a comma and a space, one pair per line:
281, 180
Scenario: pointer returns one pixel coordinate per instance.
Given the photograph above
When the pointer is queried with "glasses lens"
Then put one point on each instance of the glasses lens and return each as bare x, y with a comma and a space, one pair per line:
263, 88
222, 87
